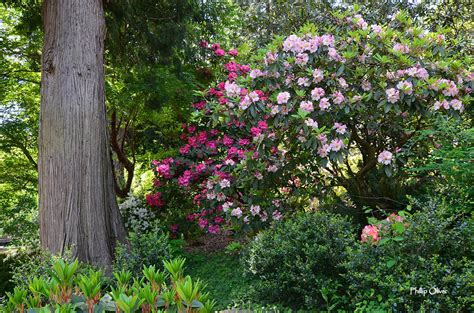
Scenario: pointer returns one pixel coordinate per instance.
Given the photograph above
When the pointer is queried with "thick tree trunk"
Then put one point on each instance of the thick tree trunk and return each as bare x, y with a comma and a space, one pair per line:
78, 208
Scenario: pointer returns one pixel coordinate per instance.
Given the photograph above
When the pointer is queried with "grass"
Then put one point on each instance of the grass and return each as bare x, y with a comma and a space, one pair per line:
223, 274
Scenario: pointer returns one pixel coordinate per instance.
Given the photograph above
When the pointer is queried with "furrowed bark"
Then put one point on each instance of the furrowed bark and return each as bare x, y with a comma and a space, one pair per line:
78, 208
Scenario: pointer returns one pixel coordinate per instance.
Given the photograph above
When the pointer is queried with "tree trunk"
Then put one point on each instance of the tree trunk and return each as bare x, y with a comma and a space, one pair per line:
78, 208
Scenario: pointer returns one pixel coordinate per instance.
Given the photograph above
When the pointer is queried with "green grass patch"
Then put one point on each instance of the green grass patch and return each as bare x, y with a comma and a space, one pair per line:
223, 274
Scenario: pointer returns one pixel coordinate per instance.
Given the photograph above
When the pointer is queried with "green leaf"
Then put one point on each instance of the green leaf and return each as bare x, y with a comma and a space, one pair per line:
300, 92
391, 263
340, 70
398, 227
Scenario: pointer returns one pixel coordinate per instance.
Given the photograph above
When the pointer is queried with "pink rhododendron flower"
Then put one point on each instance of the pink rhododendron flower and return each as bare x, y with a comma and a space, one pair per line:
163, 170
324, 104
392, 95
336, 144
338, 97
203, 222
394, 218
225, 183
213, 229
340, 128
272, 168
366, 85
237, 212
456, 105
311, 123
317, 93
307, 106
154, 200
254, 96
303, 82
233, 52
342, 82
283, 97
302, 58
255, 209
219, 52
332, 53
262, 125
370, 233
255, 131
406, 87
232, 89
377, 29
276, 215
318, 75
324, 150
398, 47
231, 66
385, 157
327, 40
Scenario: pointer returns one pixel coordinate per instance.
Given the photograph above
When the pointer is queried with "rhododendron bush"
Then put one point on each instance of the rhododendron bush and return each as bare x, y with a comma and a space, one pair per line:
321, 108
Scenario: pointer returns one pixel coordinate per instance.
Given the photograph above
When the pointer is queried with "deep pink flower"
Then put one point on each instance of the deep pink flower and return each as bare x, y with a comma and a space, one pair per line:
244, 141
163, 170
262, 125
154, 200
231, 66
203, 222
214, 229
227, 141
184, 149
219, 52
244, 69
233, 52
255, 131
221, 85
174, 228
232, 76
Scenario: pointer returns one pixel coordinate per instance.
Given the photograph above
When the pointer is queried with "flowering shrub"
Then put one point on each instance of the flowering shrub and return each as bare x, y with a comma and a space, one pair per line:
430, 250
316, 111
392, 226
136, 215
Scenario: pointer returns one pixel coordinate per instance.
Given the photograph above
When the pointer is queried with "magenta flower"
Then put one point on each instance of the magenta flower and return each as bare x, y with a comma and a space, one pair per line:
219, 52
233, 52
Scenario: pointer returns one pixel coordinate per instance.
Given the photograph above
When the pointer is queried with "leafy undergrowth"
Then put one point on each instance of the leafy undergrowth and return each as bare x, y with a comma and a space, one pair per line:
223, 274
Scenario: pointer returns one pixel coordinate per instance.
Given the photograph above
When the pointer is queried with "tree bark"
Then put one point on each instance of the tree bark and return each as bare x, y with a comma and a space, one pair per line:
78, 208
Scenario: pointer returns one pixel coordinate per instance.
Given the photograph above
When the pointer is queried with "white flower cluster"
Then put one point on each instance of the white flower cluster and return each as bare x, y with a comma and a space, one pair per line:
136, 216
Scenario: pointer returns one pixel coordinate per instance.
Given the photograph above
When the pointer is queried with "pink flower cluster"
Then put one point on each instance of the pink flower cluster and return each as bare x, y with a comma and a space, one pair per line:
373, 233
155, 200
